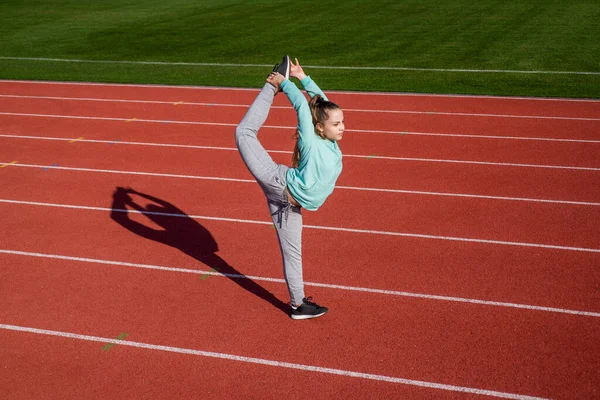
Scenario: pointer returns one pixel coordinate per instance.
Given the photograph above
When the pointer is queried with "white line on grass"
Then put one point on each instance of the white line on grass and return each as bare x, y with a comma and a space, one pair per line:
366, 68
214, 178
328, 228
271, 363
354, 93
316, 284
370, 111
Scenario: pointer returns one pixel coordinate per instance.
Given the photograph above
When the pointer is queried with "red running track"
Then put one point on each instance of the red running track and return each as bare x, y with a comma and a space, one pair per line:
474, 263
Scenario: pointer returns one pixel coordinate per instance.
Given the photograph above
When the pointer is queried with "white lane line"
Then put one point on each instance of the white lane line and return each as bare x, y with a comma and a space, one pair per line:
406, 132
368, 189
430, 160
271, 363
112, 171
129, 119
365, 68
328, 228
245, 106
183, 146
473, 136
342, 92
487, 163
315, 284
484, 115
372, 156
475, 196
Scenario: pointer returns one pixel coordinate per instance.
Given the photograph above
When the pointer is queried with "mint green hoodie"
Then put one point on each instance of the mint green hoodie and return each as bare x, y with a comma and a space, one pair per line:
320, 159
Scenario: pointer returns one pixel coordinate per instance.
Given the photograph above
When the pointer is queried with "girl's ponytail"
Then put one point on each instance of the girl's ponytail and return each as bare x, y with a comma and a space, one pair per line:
296, 154
313, 105
319, 109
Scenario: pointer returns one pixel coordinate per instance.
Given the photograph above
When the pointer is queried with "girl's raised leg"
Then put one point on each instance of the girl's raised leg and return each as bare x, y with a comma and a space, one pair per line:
259, 162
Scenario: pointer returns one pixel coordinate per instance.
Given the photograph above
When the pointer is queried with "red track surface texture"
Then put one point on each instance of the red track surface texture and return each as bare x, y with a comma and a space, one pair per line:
459, 254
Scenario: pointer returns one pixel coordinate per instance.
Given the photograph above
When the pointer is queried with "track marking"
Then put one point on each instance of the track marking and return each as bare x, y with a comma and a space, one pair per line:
483, 115
8, 164
131, 120
460, 135
187, 146
430, 160
75, 140
213, 272
328, 228
366, 68
110, 345
338, 187
475, 196
245, 106
46, 168
344, 92
405, 132
499, 164
412, 192
272, 363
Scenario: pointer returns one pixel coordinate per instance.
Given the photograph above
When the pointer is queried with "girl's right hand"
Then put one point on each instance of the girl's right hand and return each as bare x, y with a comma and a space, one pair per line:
296, 70
275, 79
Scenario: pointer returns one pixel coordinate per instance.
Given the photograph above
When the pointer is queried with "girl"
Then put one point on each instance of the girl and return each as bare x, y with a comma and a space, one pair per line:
316, 165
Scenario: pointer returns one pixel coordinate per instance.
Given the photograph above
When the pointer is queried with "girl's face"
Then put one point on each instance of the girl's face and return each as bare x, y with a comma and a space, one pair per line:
333, 127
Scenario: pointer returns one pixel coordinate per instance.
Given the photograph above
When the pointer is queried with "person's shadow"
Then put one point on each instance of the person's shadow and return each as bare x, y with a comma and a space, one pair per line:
181, 231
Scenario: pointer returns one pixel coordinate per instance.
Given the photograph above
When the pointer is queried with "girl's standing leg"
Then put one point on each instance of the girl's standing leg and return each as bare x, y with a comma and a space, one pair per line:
287, 220
271, 178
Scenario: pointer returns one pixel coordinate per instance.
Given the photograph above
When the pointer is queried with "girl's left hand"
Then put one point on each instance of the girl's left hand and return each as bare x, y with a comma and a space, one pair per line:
296, 70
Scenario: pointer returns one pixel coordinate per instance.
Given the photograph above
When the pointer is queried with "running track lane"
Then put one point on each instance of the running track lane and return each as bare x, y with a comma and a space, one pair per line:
499, 350
368, 144
536, 276
363, 100
261, 210
460, 217
283, 115
561, 183
128, 372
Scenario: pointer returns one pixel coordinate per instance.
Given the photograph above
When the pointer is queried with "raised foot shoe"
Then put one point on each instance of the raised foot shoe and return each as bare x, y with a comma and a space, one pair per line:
284, 67
308, 309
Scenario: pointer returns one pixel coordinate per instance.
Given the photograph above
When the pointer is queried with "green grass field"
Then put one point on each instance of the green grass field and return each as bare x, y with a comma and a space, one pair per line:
541, 47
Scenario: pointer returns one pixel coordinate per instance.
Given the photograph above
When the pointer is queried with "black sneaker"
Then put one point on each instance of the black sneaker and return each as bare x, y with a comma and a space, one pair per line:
284, 67
308, 309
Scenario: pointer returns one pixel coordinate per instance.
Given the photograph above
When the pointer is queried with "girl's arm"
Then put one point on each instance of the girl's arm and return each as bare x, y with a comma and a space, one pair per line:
311, 88
298, 101
309, 85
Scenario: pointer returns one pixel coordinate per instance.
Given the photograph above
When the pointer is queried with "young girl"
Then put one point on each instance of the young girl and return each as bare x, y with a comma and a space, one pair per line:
316, 165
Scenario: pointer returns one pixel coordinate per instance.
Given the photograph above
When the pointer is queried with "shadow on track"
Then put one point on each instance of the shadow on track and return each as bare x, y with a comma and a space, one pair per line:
181, 231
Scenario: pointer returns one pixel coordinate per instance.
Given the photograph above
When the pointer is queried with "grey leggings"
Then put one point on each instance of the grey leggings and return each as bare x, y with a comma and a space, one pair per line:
272, 179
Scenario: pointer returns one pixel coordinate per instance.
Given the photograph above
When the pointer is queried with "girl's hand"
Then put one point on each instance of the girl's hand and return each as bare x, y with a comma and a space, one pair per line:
275, 79
296, 70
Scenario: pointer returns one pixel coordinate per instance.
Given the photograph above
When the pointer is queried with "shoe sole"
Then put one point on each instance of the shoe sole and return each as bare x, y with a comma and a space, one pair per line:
295, 316
287, 71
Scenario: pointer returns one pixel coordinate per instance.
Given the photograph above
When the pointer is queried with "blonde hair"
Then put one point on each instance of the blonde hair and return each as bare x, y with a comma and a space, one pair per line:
319, 109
